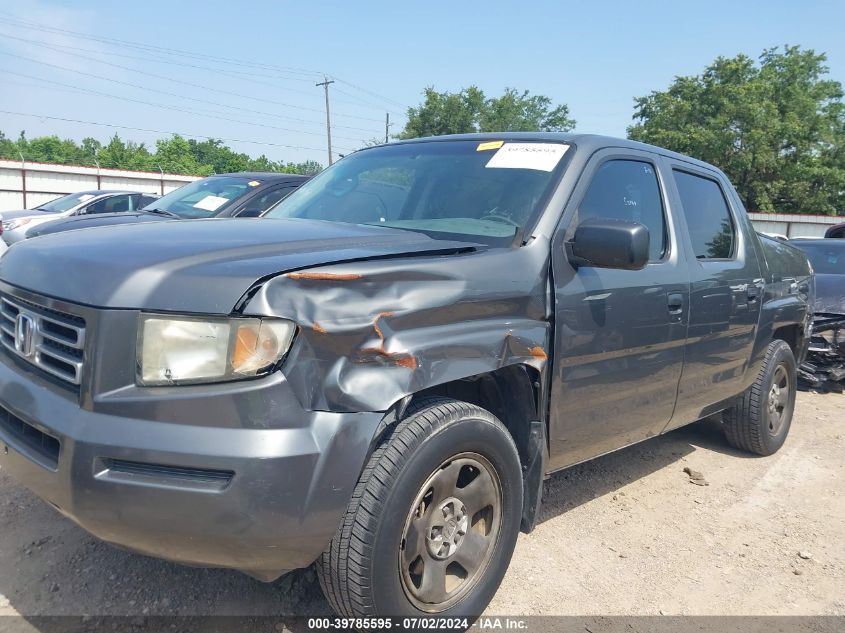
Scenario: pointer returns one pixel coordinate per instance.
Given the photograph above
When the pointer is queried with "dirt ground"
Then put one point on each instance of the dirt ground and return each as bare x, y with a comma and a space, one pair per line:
627, 534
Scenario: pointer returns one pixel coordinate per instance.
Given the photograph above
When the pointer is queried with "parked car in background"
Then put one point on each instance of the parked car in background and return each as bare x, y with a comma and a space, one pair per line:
99, 201
379, 375
241, 194
3, 246
836, 231
825, 365
244, 195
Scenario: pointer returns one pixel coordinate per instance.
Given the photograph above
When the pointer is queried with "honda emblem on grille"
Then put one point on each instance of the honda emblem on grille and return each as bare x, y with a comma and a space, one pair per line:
24, 334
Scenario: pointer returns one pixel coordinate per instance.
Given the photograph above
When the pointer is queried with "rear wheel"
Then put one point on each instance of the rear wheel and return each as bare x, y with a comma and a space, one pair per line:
759, 422
433, 520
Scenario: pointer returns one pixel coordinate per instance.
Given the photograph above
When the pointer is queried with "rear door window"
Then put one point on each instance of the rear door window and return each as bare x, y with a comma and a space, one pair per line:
709, 221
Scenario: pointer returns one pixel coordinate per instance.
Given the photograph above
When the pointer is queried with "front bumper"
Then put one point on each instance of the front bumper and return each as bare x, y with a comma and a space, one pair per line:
236, 475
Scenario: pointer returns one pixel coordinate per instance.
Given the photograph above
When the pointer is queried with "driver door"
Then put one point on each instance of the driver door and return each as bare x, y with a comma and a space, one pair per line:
619, 334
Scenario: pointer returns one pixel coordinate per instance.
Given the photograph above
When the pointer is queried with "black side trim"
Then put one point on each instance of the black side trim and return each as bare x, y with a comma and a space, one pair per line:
159, 475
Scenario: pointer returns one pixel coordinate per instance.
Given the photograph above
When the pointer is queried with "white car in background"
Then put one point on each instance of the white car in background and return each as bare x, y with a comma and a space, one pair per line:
17, 223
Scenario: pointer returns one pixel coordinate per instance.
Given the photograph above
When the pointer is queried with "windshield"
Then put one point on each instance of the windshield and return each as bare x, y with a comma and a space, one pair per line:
827, 259
479, 191
65, 202
204, 198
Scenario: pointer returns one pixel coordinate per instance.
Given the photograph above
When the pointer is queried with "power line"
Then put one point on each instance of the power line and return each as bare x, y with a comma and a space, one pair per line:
61, 48
142, 129
366, 103
172, 94
171, 51
371, 93
156, 76
17, 21
173, 108
140, 87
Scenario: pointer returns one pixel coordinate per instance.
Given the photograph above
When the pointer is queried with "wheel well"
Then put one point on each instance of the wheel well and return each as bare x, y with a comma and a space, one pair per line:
791, 335
510, 393
513, 395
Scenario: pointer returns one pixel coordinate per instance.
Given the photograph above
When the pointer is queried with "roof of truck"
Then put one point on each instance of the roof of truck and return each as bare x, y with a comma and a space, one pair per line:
588, 142
265, 176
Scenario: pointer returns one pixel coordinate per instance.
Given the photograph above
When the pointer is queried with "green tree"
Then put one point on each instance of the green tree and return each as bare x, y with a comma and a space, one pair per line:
445, 113
221, 158
8, 149
515, 112
471, 111
175, 154
775, 126
120, 154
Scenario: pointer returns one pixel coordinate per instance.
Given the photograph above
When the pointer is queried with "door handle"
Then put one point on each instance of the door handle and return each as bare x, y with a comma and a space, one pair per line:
676, 303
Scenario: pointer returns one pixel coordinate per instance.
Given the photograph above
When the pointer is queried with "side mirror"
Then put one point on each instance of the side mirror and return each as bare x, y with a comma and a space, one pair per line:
609, 243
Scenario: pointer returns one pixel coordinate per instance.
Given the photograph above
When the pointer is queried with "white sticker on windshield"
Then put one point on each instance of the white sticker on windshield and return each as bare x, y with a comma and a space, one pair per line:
540, 156
211, 203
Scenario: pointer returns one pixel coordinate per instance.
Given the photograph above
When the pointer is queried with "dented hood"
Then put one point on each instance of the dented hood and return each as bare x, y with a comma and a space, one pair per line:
201, 266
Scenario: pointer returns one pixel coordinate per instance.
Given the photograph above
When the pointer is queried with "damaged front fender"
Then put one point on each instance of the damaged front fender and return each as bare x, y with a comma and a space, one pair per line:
373, 332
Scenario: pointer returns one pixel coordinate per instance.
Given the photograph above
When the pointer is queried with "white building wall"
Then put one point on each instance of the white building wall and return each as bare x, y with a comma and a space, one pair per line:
45, 182
794, 225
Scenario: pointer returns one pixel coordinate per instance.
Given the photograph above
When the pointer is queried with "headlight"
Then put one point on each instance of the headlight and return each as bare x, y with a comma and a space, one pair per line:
185, 350
11, 225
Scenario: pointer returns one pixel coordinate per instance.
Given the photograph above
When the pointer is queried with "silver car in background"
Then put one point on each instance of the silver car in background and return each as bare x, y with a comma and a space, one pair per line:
17, 223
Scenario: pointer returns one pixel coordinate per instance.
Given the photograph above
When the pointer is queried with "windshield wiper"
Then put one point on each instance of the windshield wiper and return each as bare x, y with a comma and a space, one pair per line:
169, 214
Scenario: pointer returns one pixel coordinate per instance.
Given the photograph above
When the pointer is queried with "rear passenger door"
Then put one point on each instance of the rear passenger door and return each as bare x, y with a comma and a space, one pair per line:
619, 334
725, 294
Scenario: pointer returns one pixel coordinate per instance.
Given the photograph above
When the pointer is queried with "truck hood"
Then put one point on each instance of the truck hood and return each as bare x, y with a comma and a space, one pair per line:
201, 266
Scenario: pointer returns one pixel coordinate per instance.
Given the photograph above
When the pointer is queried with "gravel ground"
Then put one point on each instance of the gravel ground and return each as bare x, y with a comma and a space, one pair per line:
626, 534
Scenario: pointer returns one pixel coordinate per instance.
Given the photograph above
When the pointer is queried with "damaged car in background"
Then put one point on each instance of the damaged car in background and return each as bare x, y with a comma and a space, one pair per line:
825, 364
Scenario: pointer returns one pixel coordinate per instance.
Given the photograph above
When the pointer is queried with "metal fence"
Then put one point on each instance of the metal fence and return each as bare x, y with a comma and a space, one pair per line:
24, 185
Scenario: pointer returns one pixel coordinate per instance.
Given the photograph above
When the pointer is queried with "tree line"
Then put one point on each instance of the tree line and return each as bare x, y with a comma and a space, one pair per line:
774, 125
173, 155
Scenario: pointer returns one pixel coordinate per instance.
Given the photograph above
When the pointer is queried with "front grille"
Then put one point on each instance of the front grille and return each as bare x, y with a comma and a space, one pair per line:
51, 340
43, 445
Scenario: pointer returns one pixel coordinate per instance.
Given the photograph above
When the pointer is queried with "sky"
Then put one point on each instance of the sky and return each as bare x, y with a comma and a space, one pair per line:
246, 72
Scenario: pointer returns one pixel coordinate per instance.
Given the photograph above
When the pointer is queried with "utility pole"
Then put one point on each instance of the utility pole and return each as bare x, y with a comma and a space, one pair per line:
325, 84
386, 125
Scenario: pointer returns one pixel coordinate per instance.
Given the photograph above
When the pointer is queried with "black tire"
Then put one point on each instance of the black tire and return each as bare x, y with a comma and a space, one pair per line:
756, 423
361, 571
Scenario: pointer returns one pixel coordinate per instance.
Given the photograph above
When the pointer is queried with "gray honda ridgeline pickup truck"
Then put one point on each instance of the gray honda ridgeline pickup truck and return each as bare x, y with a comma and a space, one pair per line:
379, 376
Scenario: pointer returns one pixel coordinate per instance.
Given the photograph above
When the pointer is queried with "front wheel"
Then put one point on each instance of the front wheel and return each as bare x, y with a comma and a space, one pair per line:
759, 422
433, 520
